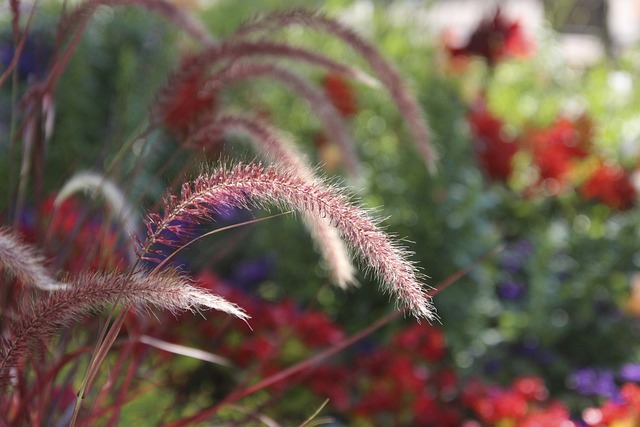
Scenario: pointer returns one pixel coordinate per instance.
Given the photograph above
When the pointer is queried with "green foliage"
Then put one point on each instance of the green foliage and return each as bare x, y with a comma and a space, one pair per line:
578, 271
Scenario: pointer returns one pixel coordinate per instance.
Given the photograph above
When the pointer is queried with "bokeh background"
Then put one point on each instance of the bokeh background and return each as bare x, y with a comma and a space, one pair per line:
535, 112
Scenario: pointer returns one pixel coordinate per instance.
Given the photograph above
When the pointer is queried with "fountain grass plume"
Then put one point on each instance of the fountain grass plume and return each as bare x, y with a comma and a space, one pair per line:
322, 107
40, 319
279, 149
410, 109
22, 261
170, 11
92, 184
247, 185
232, 51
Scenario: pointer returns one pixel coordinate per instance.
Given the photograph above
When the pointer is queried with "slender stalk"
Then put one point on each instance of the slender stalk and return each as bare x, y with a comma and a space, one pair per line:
245, 185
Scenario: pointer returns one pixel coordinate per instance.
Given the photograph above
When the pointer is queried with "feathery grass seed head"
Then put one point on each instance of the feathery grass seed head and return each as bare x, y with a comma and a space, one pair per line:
254, 184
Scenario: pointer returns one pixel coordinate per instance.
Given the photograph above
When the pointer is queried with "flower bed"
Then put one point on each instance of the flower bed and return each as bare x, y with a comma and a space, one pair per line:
129, 145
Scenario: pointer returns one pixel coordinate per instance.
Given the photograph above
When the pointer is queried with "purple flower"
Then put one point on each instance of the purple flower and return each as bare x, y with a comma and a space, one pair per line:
228, 215
34, 57
607, 309
515, 255
252, 272
493, 366
532, 350
511, 290
594, 382
630, 372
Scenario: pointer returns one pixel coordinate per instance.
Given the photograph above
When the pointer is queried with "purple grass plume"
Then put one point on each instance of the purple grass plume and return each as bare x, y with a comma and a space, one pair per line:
409, 108
40, 319
247, 185
277, 149
319, 103
170, 11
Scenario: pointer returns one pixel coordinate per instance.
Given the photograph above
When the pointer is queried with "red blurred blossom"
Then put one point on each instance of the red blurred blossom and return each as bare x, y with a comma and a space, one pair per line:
423, 341
554, 415
341, 94
332, 382
557, 148
531, 388
252, 349
510, 404
429, 412
473, 391
283, 314
374, 364
610, 413
424, 407
185, 102
630, 394
64, 217
624, 411
611, 185
397, 372
446, 381
494, 149
496, 39
405, 376
72, 231
315, 329
523, 404
380, 399
504, 404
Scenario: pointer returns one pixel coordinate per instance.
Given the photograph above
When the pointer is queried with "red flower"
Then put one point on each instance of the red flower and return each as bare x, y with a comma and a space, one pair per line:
341, 94
379, 400
555, 415
430, 413
332, 382
253, 349
72, 230
611, 185
473, 392
315, 329
556, 149
504, 405
496, 39
423, 407
423, 341
531, 388
607, 415
185, 101
630, 393
446, 381
405, 376
494, 149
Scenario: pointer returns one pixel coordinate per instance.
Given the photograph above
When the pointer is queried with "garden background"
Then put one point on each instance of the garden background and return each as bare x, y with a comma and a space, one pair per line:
535, 193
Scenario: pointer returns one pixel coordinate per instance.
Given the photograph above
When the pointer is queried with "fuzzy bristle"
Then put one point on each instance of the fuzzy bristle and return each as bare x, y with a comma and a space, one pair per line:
24, 263
92, 184
166, 289
410, 109
277, 149
253, 184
